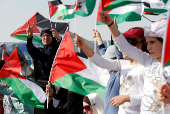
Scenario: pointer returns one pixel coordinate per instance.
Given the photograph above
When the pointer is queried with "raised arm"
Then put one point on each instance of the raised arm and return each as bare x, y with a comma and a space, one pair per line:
107, 19
79, 42
123, 45
95, 58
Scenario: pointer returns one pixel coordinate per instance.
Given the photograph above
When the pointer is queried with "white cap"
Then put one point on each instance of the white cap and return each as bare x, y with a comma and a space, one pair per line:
110, 52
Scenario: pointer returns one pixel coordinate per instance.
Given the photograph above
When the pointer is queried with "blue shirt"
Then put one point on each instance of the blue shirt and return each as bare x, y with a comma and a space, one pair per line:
112, 88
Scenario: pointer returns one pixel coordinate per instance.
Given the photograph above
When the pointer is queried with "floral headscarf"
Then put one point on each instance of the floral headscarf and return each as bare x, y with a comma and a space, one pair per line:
156, 29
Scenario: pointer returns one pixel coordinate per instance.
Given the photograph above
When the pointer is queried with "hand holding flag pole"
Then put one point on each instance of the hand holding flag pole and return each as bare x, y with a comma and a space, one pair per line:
49, 92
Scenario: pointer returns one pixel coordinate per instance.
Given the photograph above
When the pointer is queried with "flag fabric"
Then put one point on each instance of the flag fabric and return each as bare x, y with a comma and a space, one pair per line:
154, 11
82, 8
166, 45
5, 56
57, 9
15, 73
110, 4
71, 12
7, 47
3, 47
130, 12
40, 22
77, 73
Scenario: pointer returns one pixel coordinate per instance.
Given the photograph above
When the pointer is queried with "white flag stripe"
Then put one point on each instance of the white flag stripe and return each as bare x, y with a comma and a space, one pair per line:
94, 72
37, 90
138, 8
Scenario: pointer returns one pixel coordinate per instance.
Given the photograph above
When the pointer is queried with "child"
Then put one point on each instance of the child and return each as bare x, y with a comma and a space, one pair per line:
152, 76
133, 35
129, 79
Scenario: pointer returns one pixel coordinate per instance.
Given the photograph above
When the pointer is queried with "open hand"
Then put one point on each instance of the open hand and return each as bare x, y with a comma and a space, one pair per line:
120, 99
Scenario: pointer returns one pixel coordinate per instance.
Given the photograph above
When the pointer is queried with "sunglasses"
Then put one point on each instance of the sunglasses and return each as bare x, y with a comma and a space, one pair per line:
87, 107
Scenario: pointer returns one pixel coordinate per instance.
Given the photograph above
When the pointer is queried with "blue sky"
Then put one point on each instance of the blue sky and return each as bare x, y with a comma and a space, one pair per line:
15, 13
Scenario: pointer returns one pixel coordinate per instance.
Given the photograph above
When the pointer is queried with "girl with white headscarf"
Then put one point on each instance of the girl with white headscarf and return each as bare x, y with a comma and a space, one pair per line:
93, 104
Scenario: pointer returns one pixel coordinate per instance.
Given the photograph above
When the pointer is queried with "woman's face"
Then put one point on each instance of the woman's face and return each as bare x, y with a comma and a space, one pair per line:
87, 109
154, 47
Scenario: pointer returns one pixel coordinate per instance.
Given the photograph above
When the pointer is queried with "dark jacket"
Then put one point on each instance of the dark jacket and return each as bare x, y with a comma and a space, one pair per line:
42, 58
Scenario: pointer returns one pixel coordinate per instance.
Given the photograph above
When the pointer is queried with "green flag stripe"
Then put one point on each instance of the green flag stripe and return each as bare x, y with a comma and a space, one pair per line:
60, 13
90, 4
23, 92
154, 10
120, 18
76, 83
24, 38
167, 63
165, 1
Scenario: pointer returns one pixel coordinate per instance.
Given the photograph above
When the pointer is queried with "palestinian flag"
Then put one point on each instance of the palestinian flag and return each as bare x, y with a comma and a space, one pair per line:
82, 8
5, 56
110, 4
76, 73
154, 11
40, 22
3, 47
166, 45
7, 47
71, 12
15, 73
131, 12
57, 9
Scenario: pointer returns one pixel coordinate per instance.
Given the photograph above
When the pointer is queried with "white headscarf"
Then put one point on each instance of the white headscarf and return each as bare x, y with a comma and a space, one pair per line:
156, 29
97, 103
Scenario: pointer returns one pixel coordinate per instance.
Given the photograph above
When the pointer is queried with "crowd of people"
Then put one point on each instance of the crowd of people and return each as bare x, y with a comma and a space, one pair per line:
136, 84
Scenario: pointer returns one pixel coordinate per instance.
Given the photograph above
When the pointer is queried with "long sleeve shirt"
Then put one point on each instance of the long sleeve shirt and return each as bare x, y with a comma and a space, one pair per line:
129, 82
151, 75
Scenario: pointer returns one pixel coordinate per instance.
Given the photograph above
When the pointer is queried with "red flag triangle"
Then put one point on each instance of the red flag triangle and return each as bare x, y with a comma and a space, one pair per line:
66, 60
12, 67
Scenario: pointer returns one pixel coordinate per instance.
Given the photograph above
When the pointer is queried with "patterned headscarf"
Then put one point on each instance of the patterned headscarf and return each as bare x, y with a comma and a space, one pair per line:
156, 29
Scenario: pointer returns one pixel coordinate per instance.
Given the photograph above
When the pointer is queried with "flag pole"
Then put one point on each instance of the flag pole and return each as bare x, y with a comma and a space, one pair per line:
57, 18
95, 26
106, 35
2, 54
162, 59
4, 40
75, 16
50, 17
147, 18
104, 26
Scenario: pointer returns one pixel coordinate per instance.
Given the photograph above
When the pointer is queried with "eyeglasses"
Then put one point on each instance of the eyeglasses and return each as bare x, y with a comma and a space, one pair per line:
87, 107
